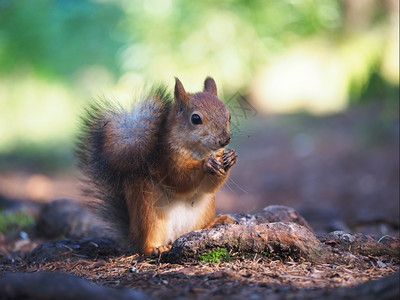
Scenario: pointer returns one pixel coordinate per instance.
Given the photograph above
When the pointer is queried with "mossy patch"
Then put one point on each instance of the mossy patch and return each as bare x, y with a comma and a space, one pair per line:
152, 261
268, 254
214, 256
15, 221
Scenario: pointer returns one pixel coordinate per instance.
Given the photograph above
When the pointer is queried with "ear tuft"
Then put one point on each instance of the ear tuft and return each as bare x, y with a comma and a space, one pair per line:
180, 94
210, 86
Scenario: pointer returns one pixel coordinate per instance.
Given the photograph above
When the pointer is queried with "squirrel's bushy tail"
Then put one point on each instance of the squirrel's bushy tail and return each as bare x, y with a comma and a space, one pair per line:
115, 147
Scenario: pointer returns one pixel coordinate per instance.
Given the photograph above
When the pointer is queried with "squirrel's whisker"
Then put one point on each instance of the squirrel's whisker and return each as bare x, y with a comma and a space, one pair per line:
238, 186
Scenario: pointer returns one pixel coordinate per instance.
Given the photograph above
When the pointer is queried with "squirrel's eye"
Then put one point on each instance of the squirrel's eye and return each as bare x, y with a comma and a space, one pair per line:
196, 120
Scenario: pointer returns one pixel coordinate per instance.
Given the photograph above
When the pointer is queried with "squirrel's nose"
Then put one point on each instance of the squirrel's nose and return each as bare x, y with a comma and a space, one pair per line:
224, 142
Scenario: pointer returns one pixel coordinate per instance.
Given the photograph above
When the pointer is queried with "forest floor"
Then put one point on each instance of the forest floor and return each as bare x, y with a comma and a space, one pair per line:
252, 278
341, 172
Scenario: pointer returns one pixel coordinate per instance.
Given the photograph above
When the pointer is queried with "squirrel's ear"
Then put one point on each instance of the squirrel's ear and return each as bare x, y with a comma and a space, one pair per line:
210, 86
180, 94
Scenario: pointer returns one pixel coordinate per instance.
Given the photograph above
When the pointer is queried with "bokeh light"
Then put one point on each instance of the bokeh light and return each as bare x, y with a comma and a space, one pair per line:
288, 55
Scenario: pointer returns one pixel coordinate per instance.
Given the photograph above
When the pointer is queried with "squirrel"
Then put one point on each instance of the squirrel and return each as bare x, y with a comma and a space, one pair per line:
154, 170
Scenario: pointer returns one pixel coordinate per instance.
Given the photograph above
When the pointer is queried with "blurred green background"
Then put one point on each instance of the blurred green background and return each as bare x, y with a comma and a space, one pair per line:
320, 56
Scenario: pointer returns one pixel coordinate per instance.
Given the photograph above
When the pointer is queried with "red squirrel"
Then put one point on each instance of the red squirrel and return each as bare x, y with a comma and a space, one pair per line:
154, 170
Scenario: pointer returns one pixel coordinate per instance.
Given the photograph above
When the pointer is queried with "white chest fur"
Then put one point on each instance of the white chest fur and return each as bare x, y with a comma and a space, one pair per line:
183, 214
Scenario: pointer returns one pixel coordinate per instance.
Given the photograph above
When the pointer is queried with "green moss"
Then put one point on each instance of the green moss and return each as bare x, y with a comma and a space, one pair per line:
15, 221
214, 256
267, 254
152, 261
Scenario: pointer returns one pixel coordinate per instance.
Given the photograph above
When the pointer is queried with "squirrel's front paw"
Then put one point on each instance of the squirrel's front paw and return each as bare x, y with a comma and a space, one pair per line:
220, 164
214, 166
229, 158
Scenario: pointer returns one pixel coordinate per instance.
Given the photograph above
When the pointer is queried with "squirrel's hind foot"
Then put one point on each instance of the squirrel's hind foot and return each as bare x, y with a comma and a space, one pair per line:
160, 249
221, 220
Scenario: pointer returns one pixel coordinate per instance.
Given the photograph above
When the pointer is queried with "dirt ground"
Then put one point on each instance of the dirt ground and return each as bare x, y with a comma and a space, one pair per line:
253, 278
341, 172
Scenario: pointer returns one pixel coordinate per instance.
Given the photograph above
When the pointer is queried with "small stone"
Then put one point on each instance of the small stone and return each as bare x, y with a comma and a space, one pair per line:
348, 237
23, 235
381, 264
